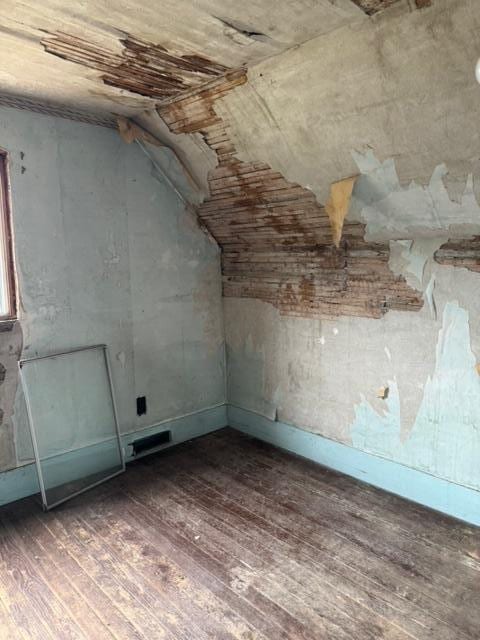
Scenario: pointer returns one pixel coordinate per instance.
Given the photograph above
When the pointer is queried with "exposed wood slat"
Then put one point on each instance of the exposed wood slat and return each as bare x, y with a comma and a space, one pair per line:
254, 211
226, 537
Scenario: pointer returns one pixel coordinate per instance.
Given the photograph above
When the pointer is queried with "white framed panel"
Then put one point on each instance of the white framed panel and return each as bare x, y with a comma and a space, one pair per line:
73, 421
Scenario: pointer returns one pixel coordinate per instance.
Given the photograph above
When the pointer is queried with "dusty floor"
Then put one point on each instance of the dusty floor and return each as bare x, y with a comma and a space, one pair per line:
226, 537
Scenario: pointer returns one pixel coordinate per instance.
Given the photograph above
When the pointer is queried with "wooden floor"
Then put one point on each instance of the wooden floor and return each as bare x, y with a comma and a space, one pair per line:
226, 537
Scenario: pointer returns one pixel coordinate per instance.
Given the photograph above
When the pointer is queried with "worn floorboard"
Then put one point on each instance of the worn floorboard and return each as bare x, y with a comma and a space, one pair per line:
227, 537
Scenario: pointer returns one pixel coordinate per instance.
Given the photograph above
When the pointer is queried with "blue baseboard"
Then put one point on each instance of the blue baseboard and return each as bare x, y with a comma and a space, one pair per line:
449, 498
23, 481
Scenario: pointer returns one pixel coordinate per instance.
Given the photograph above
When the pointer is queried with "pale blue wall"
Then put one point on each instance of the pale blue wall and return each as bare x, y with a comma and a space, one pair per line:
107, 253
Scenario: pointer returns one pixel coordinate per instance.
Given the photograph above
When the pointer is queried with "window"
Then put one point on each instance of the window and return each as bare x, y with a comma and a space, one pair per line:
7, 279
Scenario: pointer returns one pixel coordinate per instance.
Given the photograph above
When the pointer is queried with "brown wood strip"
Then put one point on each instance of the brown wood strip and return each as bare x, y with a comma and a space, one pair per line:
254, 209
117, 587
391, 571
204, 606
267, 617
231, 539
327, 608
27, 528
383, 508
396, 547
321, 585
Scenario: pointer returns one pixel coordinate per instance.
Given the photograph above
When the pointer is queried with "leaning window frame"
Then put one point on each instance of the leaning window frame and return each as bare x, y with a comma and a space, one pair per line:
6, 242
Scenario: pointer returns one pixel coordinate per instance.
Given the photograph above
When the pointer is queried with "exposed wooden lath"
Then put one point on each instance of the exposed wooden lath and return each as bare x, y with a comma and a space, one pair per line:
276, 239
141, 67
460, 253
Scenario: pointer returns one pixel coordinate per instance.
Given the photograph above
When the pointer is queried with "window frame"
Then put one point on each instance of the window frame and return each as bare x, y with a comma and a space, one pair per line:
6, 240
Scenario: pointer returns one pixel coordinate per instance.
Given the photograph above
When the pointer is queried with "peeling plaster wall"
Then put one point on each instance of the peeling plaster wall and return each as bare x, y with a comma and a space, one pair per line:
325, 376
394, 99
106, 253
401, 84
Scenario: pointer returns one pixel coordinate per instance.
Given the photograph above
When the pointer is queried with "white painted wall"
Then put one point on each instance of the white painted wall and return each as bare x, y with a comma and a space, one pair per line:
106, 253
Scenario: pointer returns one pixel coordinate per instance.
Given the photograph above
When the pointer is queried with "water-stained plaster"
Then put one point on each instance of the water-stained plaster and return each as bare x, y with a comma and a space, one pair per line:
445, 437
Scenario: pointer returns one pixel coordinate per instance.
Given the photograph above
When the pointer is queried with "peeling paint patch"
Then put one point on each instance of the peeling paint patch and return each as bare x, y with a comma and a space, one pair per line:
392, 211
445, 438
430, 297
241, 33
409, 257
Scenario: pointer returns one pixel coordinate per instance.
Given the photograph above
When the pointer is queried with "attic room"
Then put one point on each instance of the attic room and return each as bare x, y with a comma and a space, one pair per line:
240, 320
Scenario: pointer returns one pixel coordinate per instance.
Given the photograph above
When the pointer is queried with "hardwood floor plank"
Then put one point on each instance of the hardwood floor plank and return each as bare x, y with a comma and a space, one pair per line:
206, 538
229, 538
245, 566
425, 524
8, 629
153, 613
117, 589
203, 606
299, 568
254, 505
27, 588
107, 611
61, 582
260, 612
392, 545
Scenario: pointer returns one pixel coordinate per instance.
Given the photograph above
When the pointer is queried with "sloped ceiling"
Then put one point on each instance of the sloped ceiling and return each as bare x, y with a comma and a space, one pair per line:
324, 77
119, 55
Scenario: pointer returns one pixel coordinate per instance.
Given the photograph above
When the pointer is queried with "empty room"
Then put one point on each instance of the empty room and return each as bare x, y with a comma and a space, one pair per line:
240, 320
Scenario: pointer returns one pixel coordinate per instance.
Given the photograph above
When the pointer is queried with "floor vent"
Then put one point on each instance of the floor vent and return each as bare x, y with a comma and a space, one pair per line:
150, 443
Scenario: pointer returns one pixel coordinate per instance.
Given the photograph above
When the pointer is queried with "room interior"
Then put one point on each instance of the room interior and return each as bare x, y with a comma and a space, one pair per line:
239, 319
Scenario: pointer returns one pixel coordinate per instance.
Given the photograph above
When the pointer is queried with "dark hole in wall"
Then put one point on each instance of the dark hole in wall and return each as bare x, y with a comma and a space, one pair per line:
148, 443
141, 406
244, 30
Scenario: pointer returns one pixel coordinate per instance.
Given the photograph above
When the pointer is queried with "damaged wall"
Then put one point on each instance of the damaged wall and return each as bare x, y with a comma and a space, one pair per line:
405, 387
395, 101
277, 242
106, 253
121, 57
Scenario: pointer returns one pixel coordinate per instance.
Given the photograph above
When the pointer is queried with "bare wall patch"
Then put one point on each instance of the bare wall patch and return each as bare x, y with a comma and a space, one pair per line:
445, 437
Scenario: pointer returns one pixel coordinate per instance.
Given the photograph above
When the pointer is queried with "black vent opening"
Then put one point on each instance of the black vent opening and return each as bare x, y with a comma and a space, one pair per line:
142, 445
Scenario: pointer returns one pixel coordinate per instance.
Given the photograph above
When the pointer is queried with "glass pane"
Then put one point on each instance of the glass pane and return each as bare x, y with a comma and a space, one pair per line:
73, 421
